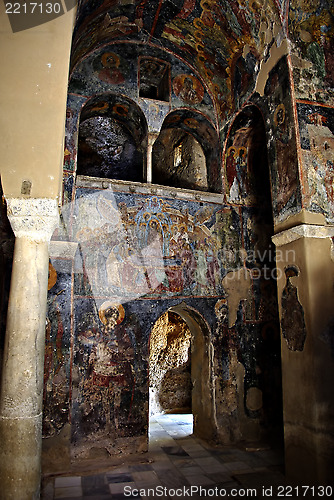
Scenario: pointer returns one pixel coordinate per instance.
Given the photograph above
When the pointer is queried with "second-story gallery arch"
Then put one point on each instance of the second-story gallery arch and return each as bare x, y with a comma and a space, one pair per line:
111, 139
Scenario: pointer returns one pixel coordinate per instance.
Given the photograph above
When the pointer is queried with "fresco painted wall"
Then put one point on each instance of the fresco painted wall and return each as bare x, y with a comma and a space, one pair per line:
311, 32
316, 125
283, 157
57, 367
311, 29
118, 67
137, 256
222, 41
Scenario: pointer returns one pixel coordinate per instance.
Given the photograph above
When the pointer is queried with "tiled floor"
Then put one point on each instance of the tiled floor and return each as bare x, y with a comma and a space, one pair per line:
178, 465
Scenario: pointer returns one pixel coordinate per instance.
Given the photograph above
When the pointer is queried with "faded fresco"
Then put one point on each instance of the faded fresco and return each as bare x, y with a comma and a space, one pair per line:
316, 125
138, 253
57, 368
209, 36
137, 256
109, 387
283, 159
311, 27
146, 246
163, 79
246, 163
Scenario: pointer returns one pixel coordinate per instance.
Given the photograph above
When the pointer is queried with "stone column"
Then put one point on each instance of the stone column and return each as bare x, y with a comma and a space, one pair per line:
151, 139
304, 256
33, 222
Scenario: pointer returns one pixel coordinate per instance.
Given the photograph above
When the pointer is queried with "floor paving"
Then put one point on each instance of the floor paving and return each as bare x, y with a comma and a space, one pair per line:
178, 465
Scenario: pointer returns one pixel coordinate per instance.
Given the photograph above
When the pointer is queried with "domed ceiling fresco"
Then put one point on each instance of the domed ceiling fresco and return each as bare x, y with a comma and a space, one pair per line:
218, 43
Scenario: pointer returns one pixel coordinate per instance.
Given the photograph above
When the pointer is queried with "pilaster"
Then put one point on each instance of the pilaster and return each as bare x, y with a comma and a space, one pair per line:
305, 271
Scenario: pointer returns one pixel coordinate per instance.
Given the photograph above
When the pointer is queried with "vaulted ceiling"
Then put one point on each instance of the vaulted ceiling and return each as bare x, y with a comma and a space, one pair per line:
218, 40
221, 45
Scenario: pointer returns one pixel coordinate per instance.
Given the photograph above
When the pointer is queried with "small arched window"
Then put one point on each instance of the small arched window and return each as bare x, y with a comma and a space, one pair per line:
186, 153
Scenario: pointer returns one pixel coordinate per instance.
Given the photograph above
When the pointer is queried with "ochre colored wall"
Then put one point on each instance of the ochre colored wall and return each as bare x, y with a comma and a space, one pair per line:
33, 87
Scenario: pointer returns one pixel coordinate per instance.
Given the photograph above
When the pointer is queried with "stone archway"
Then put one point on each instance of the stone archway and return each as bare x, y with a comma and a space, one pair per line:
192, 369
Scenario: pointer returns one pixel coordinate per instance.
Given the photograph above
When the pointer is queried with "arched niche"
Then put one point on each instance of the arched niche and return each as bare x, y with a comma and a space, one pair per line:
186, 153
112, 138
196, 362
246, 161
248, 186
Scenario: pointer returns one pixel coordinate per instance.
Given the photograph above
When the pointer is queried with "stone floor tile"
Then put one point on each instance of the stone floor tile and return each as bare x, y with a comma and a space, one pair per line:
95, 485
61, 482
200, 480
176, 461
191, 471
172, 478
140, 467
119, 478
237, 466
118, 488
68, 492
146, 476
175, 450
219, 477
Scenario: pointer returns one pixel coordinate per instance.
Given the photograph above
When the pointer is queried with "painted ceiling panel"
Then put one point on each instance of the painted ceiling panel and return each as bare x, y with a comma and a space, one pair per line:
210, 36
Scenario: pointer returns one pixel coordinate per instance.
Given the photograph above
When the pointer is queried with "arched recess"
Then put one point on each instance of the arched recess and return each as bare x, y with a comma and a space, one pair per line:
248, 185
186, 154
202, 397
246, 161
112, 138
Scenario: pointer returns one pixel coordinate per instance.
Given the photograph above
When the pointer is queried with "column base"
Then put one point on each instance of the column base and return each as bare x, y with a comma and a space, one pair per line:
20, 456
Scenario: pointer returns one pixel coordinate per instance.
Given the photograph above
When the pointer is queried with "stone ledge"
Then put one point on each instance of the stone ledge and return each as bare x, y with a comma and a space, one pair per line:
302, 231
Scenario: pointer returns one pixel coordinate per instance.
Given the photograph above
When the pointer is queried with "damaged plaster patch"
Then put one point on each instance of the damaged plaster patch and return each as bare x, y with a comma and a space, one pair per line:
277, 48
237, 285
292, 322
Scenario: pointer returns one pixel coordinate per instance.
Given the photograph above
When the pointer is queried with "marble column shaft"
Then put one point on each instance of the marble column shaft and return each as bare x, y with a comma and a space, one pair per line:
33, 222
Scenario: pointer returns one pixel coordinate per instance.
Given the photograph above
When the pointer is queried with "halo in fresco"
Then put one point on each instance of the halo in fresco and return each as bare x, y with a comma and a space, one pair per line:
188, 89
111, 305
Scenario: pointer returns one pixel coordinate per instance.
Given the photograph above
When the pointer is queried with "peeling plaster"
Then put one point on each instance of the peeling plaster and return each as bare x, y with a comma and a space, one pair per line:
279, 48
237, 285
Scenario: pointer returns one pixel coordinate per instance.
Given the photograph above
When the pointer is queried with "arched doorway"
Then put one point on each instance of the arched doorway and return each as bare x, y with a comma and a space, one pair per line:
180, 368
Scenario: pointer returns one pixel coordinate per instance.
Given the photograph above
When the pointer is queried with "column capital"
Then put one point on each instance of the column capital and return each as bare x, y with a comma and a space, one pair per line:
33, 218
152, 136
302, 231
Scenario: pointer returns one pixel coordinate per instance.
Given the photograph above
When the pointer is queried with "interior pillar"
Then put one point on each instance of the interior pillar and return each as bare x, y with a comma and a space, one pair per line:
151, 139
33, 222
305, 273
